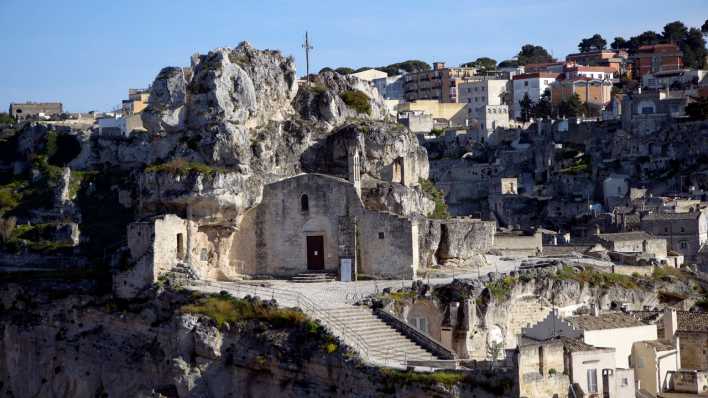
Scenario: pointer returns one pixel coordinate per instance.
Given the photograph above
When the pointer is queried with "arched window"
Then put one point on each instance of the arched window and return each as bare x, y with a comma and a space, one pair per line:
304, 203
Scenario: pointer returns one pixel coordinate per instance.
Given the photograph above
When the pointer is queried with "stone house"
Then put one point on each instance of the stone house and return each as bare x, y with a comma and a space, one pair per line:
540, 365
685, 233
314, 222
691, 330
653, 362
592, 370
639, 243
612, 330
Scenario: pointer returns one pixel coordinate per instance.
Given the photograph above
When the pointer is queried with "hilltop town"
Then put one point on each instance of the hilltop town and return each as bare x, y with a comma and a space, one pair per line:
535, 227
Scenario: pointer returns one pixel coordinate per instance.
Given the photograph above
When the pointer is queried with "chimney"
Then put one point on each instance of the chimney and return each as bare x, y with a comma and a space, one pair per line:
670, 323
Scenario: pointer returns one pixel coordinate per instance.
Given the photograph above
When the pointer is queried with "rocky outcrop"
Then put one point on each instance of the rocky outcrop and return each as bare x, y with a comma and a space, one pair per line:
86, 346
398, 199
322, 101
458, 241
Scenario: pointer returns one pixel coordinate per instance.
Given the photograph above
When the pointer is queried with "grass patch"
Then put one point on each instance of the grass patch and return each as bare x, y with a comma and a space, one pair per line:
583, 165
667, 273
224, 308
596, 278
183, 167
356, 100
501, 288
445, 377
431, 191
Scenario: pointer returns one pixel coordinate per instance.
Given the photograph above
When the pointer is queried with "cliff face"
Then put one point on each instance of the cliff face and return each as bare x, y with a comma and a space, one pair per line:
84, 346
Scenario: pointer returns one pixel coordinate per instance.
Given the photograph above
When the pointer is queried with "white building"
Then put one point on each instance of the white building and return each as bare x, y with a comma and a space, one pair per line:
591, 72
531, 84
615, 186
370, 75
485, 102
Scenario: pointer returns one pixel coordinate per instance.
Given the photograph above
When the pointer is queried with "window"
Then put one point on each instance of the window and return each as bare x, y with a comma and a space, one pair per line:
204, 255
682, 229
421, 324
526, 84
625, 381
180, 246
683, 244
381, 235
592, 380
304, 203
666, 229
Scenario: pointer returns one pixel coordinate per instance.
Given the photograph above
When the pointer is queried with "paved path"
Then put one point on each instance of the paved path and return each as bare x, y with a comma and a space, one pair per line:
336, 294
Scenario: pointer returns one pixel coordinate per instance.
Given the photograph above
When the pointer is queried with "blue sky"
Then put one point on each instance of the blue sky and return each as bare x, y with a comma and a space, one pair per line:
88, 53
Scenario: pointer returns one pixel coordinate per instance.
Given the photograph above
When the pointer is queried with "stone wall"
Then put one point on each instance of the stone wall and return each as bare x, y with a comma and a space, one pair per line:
535, 362
272, 237
692, 347
518, 244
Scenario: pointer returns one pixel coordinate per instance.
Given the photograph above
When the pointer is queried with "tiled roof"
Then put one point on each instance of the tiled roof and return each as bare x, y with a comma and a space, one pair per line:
626, 236
575, 345
613, 320
659, 345
672, 216
692, 321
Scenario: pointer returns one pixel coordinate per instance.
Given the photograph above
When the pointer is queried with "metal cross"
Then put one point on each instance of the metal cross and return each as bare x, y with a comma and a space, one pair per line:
307, 48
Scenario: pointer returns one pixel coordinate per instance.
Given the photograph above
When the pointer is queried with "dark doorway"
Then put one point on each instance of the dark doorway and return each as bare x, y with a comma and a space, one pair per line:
315, 253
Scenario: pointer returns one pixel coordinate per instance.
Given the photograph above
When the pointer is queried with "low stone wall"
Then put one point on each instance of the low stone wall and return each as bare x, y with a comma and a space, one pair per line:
632, 269
519, 245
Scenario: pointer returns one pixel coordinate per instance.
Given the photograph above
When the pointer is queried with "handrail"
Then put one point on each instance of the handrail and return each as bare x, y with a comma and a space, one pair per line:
416, 335
310, 308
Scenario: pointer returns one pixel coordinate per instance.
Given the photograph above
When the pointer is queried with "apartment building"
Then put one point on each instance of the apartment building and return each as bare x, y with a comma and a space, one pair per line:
657, 58
531, 84
486, 102
439, 84
615, 60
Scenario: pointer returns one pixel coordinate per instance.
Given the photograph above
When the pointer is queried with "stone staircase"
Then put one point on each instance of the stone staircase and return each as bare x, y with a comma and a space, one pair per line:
384, 343
313, 277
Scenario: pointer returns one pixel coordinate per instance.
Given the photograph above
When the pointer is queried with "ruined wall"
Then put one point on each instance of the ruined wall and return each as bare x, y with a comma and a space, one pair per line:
535, 379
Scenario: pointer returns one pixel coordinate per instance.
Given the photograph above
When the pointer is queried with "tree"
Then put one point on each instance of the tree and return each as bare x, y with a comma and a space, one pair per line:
619, 43
704, 28
509, 63
594, 43
674, 32
5, 118
647, 38
543, 107
483, 63
526, 106
326, 69
343, 70
494, 351
571, 107
693, 46
531, 54
698, 109
412, 65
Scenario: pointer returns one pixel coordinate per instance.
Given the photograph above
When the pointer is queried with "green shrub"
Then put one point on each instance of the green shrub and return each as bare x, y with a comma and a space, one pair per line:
430, 190
501, 288
595, 278
183, 167
445, 377
224, 308
356, 100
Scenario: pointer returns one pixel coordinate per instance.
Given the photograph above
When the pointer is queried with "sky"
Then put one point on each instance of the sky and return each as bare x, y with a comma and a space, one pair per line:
87, 53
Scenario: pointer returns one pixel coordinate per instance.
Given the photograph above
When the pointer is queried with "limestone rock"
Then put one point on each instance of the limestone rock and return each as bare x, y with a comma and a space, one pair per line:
166, 107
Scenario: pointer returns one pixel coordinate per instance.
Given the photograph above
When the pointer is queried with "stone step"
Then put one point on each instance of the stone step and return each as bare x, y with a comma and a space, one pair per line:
313, 277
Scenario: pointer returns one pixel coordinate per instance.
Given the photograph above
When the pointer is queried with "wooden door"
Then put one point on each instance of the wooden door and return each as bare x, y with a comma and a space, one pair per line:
315, 253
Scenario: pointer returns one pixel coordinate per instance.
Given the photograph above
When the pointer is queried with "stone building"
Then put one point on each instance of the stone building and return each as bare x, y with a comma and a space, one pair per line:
685, 233
653, 362
691, 330
312, 222
540, 366
29, 110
